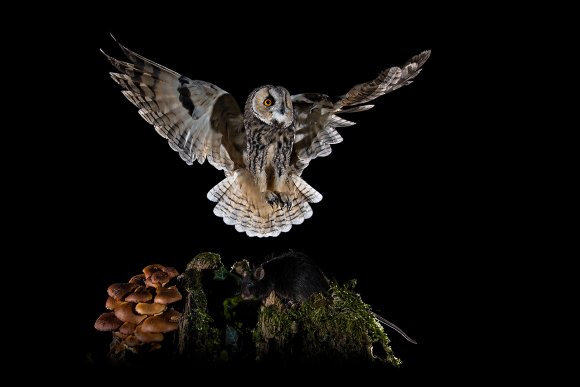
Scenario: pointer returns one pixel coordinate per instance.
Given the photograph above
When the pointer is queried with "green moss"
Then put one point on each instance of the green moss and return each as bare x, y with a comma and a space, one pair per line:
205, 261
221, 273
275, 329
334, 327
337, 326
198, 338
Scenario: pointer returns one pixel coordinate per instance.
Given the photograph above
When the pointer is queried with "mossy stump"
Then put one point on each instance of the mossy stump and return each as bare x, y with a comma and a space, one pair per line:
338, 327
198, 339
218, 327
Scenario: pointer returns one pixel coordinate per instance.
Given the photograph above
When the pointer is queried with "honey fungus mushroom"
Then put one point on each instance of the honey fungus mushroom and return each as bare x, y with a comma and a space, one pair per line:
167, 295
127, 328
140, 294
159, 275
148, 337
138, 279
160, 324
150, 309
111, 303
150, 269
107, 322
139, 310
125, 313
118, 291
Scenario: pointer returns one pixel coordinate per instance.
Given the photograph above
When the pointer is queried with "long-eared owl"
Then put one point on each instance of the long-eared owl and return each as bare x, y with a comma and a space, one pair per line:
262, 151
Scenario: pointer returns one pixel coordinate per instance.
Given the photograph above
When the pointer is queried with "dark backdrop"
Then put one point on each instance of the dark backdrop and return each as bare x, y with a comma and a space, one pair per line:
392, 213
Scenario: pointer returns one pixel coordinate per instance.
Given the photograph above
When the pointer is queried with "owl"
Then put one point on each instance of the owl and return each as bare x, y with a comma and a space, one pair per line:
262, 150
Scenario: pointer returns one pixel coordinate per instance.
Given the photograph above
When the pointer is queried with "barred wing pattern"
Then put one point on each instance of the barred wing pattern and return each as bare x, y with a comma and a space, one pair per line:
203, 122
316, 116
199, 120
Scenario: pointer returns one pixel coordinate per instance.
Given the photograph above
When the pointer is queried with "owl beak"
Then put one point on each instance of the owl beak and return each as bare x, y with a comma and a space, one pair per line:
281, 118
283, 114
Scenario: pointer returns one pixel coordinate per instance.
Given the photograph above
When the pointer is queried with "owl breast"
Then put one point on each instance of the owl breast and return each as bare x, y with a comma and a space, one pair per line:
269, 124
277, 157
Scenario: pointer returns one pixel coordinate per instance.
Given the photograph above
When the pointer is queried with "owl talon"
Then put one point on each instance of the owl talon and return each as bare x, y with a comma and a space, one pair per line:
285, 200
279, 199
272, 198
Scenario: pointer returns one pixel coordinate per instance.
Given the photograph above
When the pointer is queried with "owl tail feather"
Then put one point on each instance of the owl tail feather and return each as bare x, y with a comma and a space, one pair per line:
240, 204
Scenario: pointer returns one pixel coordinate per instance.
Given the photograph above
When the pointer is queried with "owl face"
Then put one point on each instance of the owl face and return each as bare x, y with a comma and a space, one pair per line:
273, 106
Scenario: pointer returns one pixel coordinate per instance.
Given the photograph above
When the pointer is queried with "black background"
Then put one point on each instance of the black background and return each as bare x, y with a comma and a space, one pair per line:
394, 207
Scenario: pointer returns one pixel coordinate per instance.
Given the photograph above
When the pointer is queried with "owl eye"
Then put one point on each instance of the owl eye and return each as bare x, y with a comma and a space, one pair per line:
268, 102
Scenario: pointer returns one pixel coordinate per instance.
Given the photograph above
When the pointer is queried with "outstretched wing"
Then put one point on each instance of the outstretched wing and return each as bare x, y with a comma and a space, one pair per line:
316, 115
199, 120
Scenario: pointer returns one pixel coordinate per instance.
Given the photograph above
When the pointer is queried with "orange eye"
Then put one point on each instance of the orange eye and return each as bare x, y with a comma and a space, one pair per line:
268, 102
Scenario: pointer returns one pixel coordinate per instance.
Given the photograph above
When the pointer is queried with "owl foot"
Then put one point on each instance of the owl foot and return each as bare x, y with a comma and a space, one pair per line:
271, 198
285, 200
280, 199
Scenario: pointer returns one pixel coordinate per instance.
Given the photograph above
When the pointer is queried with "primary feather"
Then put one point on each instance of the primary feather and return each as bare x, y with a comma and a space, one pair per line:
262, 151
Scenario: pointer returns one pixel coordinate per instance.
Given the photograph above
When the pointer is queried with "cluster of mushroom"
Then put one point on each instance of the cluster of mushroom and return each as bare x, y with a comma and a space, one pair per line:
140, 310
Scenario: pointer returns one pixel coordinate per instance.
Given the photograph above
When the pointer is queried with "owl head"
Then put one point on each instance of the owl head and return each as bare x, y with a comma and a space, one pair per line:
272, 105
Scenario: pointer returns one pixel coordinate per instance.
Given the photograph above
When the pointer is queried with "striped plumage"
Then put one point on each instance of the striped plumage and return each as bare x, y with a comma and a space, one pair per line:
262, 151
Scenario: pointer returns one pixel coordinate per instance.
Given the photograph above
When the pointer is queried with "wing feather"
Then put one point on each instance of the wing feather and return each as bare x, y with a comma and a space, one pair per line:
200, 120
388, 80
316, 115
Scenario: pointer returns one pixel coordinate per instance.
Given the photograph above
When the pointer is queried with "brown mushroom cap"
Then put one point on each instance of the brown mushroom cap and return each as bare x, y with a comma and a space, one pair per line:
112, 303
172, 315
160, 277
149, 270
148, 337
125, 313
118, 291
107, 322
135, 319
132, 341
156, 324
137, 279
167, 295
172, 272
150, 284
150, 309
140, 294
127, 328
